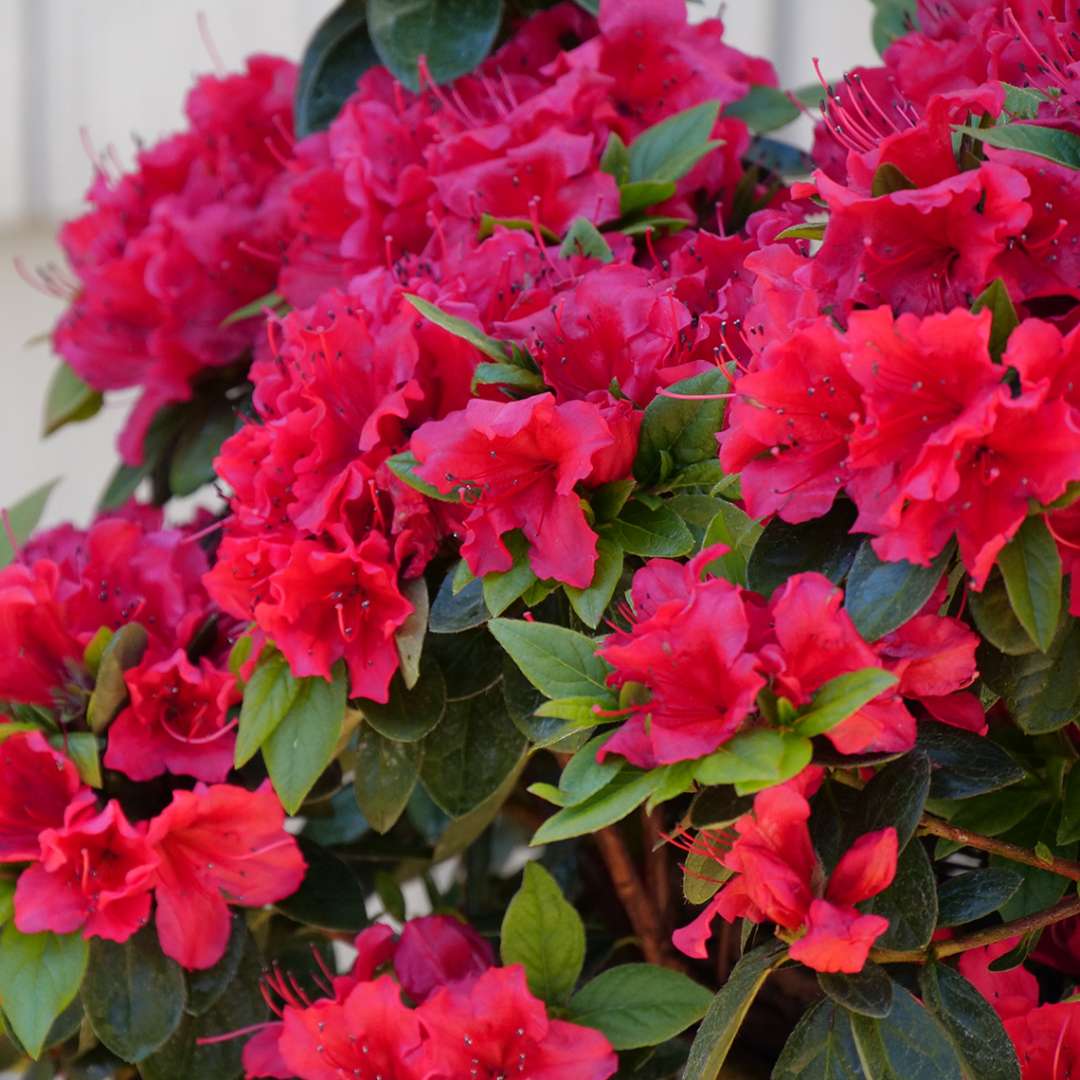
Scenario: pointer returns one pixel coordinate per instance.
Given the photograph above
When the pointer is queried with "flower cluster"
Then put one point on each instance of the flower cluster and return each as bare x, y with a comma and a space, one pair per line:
466, 1017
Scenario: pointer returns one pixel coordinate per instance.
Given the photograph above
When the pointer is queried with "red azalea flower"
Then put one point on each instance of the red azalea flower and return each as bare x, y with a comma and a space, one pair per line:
789, 430
689, 646
494, 1024
217, 846
438, 950
1012, 993
1047, 1041
176, 721
96, 872
39, 785
779, 880
1046, 359
516, 464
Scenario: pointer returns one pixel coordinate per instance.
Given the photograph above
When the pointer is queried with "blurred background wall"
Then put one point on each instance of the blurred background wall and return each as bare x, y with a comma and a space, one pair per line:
118, 68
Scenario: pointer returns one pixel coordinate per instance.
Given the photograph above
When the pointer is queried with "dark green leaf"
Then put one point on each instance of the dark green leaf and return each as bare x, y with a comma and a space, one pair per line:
970, 1023
254, 309
268, 696
716, 807
892, 19
386, 773
453, 36
1069, 829
841, 697
303, 744
502, 588
778, 157
908, 1044
1039, 889
461, 832
639, 1004
1018, 954
124, 650
823, 545
965, 764
492, 374
22, 519
583, 776
205, 986
967, 897
995, 619
590, 604
639, 194
650, 533
670, 149
192, 462
764, 108
343, 825
544, 934
909, 903
39, 977
472, 751
683, 429
738, 531
1022, 102
409, 639
584, 238
69, 400
1004, 319
403, 466
339, 52
888, 178
409, 715
1031, 568
895, 796
558, 662
450, 613
1054, 144
729, 1007
820, 1048
880, 596
133, 994
868, 992
811, 230
330, 896
628, 790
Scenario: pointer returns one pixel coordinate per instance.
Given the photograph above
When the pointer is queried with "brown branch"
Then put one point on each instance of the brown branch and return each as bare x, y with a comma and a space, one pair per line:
936, 827
657, 867
635, 900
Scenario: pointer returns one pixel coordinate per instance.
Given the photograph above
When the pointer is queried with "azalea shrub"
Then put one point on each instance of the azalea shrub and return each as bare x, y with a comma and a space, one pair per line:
627, 625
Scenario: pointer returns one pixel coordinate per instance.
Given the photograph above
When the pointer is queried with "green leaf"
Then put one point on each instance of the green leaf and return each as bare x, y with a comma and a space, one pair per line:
39, 977
840, 698
758, 758
133, 994
69, 400
810, 230
1031, 568
339, 52
330, 896
702, 877
1004, 319
583, 776
650, 533
967, 897
880, 596
823, 545
970, 1022
462, 831
409, 638
544, 934
888, 178
892, 19
820, 1048
254, 309
670, 149
683, 429
560, 663
7, 899
764, 108
909, 903
460, 328
1069, 829
729, 1007
506, 375
639, 1004
736, 529
908, 1044
965, 764
385, 775
868, 992
1039, 889
453, 612
1054, 144
82, 748
638, 195
502, 588
1018, 954
716, 807
268, 696
192, 461
895, 796
125, 649
584, 238
590, 604
778, 157
628, 790
1022, 102
303, 743
453, 36
995, 620
22, 519
471, 752
615, 160
409, 715
205, 986
403, 466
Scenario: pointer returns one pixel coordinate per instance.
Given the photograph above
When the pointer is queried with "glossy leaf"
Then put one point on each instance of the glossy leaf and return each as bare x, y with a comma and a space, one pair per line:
583, 776
909, 1044
590, 604
739, 532
895, 797
820, 1048
205, 986
502, 588
628, 790
650, 532
330, 896
975, 894
1031, 568
758, 758
268, 696
909, 903
639, 1004
868, 992
841, 697
670, 149
453, 612
385, 775
560, 663
995, 619
409, 715
964, 764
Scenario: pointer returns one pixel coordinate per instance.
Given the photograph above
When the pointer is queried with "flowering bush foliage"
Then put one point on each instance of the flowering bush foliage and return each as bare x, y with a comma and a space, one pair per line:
595, 475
